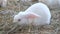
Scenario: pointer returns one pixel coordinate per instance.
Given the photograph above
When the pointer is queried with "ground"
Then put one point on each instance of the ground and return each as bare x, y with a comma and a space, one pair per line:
8, 27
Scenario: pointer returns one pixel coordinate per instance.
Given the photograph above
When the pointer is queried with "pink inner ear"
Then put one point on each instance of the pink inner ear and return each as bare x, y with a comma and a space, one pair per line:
32, 16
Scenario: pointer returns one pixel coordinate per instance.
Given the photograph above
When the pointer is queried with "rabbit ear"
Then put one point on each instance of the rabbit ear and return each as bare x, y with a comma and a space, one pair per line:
32, 15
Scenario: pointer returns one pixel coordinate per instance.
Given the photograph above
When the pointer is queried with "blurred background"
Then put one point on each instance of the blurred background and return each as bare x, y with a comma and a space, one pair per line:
9, 8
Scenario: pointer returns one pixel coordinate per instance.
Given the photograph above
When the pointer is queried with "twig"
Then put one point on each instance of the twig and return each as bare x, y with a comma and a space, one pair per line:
12, 29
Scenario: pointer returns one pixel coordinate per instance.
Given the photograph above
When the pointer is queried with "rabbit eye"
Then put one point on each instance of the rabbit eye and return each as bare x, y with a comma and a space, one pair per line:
19, 19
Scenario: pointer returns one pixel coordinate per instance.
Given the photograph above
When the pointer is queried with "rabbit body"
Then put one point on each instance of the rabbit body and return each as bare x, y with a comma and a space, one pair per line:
42, 10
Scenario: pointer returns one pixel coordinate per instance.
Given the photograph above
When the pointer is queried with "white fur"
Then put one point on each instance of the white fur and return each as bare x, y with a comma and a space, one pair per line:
39, 9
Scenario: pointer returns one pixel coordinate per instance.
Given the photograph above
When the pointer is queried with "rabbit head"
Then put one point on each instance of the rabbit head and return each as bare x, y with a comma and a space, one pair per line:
22, 17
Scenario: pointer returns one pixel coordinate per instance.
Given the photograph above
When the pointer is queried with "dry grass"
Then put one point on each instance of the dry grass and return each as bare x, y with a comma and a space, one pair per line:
8, 27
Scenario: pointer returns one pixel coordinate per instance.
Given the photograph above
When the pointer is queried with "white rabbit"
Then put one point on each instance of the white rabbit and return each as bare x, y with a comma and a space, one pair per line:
37, 14
52, 4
